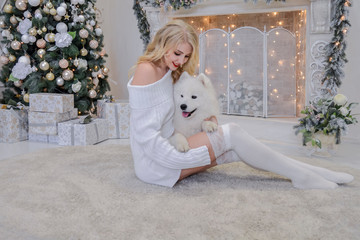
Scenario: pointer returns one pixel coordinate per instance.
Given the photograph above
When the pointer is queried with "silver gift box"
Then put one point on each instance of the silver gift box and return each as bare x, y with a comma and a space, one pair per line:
118, 115
75, 133
46, 122
51, 102
13, 125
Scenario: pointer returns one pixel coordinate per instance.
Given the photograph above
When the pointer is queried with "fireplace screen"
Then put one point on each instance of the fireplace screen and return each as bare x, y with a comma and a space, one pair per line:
253, 71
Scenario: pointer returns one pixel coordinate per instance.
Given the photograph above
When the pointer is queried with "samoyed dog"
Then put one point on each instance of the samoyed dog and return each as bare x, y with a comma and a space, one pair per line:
195, 102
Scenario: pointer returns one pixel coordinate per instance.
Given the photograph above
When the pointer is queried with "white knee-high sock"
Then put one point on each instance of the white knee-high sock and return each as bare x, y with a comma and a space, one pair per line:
258, 155
222, 150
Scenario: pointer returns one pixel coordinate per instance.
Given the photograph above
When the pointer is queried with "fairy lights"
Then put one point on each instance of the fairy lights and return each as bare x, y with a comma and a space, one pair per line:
293, 21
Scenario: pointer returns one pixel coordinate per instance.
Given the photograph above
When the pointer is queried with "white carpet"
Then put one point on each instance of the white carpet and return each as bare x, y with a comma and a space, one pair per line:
92, 193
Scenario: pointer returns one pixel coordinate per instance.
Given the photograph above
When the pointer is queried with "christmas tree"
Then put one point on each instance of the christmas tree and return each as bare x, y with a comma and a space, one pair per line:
53, 46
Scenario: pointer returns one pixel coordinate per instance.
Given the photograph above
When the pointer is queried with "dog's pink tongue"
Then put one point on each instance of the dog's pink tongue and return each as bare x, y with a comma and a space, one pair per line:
185, 114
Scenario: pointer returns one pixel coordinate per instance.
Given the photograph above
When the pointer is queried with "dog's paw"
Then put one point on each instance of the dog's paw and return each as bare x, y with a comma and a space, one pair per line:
180, 142
209, 126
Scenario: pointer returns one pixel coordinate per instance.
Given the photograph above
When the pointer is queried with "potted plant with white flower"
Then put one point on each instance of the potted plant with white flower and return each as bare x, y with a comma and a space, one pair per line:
325, 119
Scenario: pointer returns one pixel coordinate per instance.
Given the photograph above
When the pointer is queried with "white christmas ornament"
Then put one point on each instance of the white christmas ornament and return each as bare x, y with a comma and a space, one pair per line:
27, 14
32, 39
82, 63
81, 18
76, 87
74, 2
25, 38
61, 11
38, 16
63, 40
92, 23
81, 1
61, 27
21, 70
98, 31
34, 3
63, 5
18, 83
24, 59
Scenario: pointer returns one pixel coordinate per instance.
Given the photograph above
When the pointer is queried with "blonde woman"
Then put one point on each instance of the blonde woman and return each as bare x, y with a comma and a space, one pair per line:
174, 50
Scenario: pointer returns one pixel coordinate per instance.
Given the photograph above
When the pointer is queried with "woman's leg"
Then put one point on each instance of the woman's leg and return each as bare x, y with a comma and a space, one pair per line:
209, 140
195, 141
258, 155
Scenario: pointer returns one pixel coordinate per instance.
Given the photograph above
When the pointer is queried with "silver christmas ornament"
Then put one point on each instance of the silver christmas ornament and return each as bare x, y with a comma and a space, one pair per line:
67, 74
2, 24
44, 65
21, 5
41, 52
61, 11
92, 93
59, 81
16, 45
34, 3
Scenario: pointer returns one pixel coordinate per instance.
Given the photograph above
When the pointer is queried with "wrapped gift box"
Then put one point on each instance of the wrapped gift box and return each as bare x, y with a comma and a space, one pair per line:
118, 115
51, 102
46, 122
14, 125
75, 133
43, 138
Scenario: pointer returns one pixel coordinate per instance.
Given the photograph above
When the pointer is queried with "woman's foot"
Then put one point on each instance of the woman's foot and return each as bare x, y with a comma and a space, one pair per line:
311, 180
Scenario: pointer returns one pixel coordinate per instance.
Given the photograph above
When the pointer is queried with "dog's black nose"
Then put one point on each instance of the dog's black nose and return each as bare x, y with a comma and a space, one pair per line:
183, 106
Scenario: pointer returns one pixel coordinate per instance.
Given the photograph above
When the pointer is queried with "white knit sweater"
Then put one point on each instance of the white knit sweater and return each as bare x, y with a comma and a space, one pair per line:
151, 124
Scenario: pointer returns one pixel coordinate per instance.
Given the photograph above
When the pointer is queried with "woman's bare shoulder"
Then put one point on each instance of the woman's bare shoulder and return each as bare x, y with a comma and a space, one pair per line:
145, 73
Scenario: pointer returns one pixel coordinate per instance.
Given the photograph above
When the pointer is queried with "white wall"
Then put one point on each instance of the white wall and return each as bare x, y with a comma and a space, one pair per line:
351, 82
122, 42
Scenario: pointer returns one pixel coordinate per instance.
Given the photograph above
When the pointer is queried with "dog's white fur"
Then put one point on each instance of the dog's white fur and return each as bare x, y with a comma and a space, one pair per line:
193, 93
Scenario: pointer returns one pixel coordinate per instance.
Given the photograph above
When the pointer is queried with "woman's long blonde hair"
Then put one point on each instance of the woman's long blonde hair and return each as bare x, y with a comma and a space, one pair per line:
169, 36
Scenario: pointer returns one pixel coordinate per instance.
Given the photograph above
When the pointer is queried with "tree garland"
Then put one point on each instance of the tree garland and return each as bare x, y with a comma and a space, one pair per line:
335, 56
143, 24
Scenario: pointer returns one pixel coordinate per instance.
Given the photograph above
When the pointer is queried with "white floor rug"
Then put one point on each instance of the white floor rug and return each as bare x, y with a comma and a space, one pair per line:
92, 193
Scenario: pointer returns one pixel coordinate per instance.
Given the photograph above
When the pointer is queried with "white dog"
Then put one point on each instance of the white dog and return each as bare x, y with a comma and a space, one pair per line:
195, 102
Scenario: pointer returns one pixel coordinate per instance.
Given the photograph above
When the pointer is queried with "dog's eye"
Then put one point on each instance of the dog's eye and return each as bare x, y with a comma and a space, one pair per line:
181, 95
193, 97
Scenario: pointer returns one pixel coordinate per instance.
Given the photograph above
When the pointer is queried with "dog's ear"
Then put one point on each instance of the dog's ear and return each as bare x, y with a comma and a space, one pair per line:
204, 80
